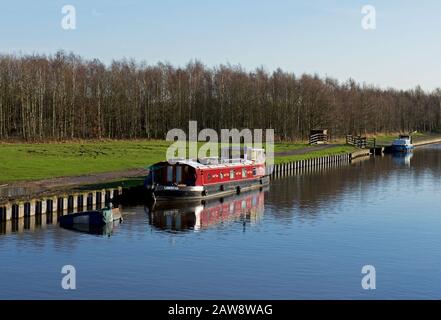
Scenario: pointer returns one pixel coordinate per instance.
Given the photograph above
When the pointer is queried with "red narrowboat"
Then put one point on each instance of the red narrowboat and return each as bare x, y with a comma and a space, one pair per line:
183, 179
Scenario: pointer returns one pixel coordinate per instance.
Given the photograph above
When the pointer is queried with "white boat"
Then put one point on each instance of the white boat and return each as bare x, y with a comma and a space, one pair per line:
402, 144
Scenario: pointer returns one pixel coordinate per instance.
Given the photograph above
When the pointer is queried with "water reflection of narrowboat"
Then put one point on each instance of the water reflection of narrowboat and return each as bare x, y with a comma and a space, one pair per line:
249, 205
184, 179
402, 144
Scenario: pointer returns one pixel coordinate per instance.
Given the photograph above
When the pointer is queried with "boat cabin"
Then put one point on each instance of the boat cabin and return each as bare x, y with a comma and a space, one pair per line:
166, 173
406, 137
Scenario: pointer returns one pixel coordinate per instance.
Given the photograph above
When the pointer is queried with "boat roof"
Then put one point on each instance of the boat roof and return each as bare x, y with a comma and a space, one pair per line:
197, 165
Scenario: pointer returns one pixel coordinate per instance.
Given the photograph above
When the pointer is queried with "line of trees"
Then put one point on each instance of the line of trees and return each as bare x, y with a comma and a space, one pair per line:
64, 96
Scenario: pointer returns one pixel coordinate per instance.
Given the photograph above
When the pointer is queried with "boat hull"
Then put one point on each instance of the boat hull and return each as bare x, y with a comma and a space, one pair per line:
402, 148
189, 193
91, 218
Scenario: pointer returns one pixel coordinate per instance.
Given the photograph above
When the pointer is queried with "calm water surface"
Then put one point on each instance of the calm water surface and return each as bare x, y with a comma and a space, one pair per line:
308, 236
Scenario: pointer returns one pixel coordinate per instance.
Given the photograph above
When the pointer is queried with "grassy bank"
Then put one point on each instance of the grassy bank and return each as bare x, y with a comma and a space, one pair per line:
27, 162
20, 162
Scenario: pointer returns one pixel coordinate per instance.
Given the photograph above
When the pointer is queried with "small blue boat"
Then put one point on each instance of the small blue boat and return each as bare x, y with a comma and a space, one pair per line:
97, 218
106, 230
402, 144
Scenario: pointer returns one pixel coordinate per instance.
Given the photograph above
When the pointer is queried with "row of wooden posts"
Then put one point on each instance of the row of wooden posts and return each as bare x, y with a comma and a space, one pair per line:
294, 166
60, 204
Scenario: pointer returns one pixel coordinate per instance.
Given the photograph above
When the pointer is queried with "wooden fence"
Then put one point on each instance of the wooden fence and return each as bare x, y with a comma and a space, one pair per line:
318, 138
361, 142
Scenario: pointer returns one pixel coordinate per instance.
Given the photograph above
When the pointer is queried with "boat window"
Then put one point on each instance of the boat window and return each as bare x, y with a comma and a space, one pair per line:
178, 174
157, 174
244, 173
231, 174
209, 176
169, 174
190, 177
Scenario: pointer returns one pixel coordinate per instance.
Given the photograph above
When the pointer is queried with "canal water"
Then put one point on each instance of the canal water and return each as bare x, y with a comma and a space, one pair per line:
306, 237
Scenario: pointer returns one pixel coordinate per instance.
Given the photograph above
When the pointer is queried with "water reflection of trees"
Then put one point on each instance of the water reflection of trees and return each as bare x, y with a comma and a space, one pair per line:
307, 193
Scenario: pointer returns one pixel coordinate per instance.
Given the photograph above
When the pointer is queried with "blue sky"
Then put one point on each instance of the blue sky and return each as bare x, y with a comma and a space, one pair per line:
323, 37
